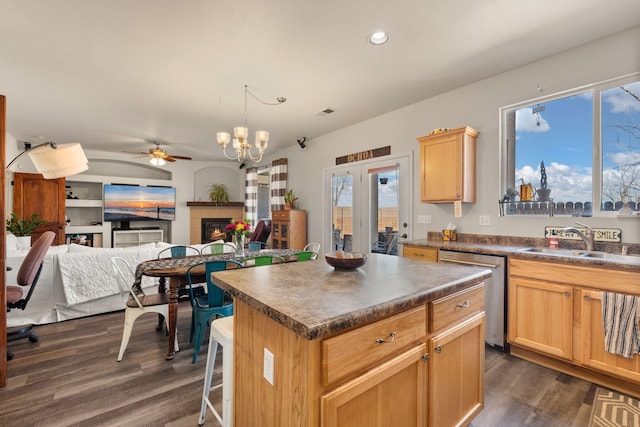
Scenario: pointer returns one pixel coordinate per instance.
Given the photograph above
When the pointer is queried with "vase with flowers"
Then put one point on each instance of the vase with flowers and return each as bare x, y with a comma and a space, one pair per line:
239, 229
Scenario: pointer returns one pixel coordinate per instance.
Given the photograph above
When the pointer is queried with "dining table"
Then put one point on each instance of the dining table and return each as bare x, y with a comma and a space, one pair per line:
176, 270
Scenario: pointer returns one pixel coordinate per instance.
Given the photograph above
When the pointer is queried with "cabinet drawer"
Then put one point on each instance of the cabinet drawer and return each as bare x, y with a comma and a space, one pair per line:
369, 345
425, 254
451, 309
281, 215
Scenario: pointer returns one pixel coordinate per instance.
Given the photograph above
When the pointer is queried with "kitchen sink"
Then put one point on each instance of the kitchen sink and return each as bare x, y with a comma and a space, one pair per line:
631, 259
613, 257
555, 251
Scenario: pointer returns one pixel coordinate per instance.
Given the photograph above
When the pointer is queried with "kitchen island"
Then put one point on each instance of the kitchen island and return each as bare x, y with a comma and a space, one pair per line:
362, 347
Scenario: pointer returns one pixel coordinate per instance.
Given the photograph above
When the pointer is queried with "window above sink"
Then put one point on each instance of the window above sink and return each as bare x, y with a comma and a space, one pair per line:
564, 130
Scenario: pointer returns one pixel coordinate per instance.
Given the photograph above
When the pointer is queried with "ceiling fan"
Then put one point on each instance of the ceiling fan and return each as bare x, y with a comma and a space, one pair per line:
159, 156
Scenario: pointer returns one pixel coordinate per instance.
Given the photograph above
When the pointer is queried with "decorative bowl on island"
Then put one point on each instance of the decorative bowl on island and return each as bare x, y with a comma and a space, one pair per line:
341, 260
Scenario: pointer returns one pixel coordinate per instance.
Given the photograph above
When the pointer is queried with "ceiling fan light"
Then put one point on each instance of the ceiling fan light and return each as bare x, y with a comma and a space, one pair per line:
156, 161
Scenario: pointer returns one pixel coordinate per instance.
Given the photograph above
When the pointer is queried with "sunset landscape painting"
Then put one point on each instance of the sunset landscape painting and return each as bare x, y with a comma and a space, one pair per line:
138, 203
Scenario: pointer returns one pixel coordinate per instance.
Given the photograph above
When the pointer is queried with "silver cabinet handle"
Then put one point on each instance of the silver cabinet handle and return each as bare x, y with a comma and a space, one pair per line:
392, 337
465, 304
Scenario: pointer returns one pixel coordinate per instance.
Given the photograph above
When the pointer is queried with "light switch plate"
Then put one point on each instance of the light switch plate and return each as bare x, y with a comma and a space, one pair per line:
268, 366
424, 219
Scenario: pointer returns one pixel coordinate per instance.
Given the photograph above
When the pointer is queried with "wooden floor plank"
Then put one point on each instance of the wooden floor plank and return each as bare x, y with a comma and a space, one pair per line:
71, 378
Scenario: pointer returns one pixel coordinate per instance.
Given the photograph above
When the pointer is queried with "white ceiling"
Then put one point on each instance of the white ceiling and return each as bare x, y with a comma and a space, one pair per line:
115, 74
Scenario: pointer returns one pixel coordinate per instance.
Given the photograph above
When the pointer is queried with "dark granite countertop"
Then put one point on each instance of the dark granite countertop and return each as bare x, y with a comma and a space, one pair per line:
517, 251
314, 300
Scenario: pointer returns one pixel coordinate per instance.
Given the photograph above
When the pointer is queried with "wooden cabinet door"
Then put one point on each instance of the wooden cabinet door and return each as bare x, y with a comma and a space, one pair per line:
423, 254
441, 177
46, 197
447, 166
392, 394
541, 316
456, 374
592, 351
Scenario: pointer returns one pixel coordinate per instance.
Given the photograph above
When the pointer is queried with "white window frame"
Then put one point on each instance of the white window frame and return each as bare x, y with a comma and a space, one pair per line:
596, 161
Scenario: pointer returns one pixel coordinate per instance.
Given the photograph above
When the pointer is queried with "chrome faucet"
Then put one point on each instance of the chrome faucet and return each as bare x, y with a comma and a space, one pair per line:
587, 236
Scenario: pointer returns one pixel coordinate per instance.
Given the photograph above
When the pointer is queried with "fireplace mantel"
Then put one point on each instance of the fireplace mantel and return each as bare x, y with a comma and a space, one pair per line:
215, 205
199, 210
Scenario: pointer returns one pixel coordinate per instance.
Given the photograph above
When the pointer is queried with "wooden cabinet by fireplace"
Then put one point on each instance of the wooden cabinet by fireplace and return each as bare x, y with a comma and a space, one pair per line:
289, 229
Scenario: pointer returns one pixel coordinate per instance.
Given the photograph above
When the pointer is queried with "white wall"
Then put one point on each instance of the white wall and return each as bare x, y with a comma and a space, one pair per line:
190, 178
475, 105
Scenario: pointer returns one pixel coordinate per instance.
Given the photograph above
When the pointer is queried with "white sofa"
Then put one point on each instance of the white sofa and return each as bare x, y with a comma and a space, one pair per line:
76, 281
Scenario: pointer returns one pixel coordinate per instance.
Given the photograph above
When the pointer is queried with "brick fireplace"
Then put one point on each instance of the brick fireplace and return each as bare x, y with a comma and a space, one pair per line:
201, 213
214, 229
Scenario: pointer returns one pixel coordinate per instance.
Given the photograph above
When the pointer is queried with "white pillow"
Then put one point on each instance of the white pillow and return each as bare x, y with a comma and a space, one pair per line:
74, 247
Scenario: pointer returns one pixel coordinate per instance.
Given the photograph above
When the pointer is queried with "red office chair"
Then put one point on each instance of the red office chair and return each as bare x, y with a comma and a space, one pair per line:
262, 231
28, 275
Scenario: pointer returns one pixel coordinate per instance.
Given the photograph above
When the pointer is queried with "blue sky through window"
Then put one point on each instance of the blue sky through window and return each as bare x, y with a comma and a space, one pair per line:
559, 132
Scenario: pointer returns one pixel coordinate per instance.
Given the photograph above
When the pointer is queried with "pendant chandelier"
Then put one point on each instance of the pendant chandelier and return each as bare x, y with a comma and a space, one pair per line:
240, 144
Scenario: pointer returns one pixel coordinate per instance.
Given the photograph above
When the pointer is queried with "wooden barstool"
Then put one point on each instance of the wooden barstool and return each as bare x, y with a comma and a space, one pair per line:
221, 333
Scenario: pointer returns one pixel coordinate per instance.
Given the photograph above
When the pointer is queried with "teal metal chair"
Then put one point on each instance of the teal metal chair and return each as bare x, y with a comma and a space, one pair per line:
209, 306
178, 251
260, 260
255, 246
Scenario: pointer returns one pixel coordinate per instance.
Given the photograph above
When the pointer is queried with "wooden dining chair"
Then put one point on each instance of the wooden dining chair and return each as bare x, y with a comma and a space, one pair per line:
210, 306
136, 305
260, 260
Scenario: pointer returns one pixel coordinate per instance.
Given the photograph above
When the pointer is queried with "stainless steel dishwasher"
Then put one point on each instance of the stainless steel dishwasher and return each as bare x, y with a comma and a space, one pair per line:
494, 292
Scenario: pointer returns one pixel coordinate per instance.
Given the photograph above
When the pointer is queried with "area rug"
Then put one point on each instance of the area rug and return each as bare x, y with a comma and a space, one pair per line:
611, 408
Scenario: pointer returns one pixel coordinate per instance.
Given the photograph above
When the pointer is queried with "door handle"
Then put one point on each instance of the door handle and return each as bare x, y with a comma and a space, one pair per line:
404, 236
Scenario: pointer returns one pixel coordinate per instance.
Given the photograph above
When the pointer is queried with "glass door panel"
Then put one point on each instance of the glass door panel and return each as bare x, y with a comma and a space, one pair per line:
384, 209
341, 212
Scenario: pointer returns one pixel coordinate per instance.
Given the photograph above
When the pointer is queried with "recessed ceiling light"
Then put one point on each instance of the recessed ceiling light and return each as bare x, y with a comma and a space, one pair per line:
378, 38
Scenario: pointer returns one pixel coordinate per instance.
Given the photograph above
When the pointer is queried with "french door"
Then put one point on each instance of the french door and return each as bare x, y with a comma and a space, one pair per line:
368, 205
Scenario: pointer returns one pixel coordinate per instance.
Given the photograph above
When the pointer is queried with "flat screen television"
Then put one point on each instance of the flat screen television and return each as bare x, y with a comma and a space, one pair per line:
126, 203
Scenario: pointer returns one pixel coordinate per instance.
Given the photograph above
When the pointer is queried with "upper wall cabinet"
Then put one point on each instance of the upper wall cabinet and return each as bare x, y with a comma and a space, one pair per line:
448, 166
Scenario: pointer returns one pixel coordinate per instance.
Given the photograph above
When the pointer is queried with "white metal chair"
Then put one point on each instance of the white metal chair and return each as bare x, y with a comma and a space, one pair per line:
136, 305
312, 247
221, 333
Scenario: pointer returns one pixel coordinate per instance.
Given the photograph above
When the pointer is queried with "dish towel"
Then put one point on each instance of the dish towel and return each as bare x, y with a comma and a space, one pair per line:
621, 314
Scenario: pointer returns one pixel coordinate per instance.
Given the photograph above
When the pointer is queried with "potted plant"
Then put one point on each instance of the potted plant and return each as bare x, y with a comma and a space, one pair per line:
219, 194
290, 200
22, 228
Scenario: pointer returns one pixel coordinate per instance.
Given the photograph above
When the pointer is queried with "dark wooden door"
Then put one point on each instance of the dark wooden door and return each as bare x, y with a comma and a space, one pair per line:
46, 197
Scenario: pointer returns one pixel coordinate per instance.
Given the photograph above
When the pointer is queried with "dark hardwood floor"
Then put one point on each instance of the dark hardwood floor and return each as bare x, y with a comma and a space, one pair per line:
71, 378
